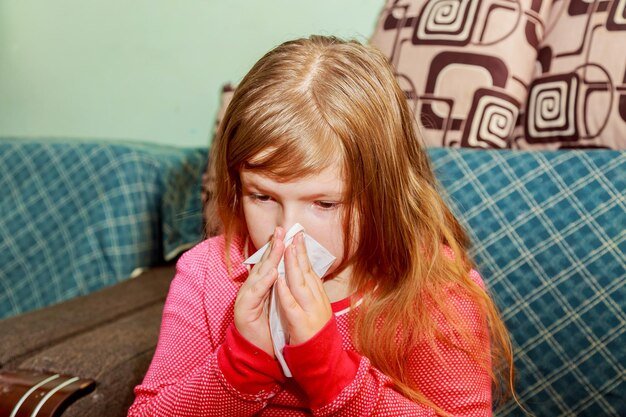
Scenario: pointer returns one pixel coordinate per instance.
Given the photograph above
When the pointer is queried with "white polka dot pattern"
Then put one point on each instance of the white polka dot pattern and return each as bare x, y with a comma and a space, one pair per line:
185, 377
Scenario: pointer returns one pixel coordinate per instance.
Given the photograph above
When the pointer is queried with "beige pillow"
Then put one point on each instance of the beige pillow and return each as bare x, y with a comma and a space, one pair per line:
578, 96
211, 221
464, 65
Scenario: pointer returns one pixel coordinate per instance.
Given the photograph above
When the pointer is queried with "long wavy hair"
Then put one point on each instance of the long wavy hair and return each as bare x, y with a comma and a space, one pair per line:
310, 101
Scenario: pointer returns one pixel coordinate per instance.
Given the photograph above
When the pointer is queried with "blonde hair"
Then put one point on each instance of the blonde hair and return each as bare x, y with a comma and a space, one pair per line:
311, 101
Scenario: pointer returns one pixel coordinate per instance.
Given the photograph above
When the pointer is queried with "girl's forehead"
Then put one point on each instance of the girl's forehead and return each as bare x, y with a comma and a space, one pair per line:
328, 180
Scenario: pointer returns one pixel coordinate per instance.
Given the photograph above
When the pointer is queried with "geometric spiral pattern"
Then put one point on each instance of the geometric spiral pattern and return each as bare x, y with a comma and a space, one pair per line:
491, 120
551, 111
574, 100
562, 62
464, 65
448, 21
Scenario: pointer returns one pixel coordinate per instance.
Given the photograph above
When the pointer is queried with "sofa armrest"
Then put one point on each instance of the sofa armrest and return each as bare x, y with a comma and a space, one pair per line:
108, 336
39, 394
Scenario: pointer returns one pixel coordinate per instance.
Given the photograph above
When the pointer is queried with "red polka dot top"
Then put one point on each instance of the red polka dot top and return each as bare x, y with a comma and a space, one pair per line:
203, 367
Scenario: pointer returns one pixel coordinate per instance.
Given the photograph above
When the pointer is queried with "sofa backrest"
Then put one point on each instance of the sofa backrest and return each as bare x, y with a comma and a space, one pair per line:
79, 216
549, 237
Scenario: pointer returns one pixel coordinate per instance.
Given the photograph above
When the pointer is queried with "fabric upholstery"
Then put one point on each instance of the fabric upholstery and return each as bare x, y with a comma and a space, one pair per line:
78, 216
501, 74
549, 240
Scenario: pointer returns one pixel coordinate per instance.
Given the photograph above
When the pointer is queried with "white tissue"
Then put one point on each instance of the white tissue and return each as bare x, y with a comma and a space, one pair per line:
321, 259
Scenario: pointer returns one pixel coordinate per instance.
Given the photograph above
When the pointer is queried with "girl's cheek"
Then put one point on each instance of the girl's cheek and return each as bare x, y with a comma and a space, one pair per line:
260, 224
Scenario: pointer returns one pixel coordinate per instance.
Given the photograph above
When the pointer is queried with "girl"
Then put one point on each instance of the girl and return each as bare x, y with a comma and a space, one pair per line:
319, 133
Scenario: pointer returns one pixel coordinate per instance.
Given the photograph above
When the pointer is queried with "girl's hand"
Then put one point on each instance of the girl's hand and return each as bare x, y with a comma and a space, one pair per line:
251, 318
301, 295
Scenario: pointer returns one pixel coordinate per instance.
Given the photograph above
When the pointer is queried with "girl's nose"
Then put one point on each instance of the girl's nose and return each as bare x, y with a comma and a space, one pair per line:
289, 218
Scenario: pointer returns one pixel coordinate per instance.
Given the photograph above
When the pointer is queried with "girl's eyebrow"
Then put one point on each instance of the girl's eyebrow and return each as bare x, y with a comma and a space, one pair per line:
256, 181
324, 196
249, 180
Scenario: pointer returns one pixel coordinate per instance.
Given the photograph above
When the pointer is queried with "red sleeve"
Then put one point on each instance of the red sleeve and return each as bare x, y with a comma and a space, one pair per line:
247, 368
190, 374
320, 365
342, 383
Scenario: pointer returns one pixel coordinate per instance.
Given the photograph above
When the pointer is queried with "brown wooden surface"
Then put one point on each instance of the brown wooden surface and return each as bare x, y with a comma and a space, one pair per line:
23, 393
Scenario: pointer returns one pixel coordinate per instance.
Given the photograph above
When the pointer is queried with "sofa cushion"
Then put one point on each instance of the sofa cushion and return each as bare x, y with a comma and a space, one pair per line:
549, 239
464, 65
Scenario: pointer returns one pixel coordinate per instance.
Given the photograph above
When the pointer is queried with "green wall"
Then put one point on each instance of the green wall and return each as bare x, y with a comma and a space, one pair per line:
144, 70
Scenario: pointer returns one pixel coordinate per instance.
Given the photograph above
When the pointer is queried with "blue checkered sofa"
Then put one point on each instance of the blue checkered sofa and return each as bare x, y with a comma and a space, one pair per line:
549, 237
548, 232
79, 216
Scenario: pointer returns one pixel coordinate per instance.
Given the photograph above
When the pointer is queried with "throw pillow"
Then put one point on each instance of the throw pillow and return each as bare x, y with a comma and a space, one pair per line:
578, 96
210, 218
465, 65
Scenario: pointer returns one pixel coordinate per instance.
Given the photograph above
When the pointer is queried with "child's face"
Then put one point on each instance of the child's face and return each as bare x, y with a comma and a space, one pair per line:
316, 202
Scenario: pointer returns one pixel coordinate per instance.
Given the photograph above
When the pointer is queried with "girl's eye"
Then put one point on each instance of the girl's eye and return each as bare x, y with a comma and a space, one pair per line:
260, 197
327, 205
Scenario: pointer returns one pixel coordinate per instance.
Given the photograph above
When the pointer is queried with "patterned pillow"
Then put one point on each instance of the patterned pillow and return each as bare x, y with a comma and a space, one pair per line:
465, 65
578, 96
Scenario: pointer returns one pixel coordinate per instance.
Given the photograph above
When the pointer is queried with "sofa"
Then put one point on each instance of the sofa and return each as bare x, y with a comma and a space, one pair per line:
548, 233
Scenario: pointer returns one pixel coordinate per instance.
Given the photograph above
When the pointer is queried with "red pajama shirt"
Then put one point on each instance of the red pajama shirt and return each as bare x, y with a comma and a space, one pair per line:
203, 366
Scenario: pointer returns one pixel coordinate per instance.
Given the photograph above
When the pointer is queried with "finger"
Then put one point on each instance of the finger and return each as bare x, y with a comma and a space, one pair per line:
295, 277
303, 257
311, 278
292, 309
257, 294
271, 257
305, 295
279, 233
278, 246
